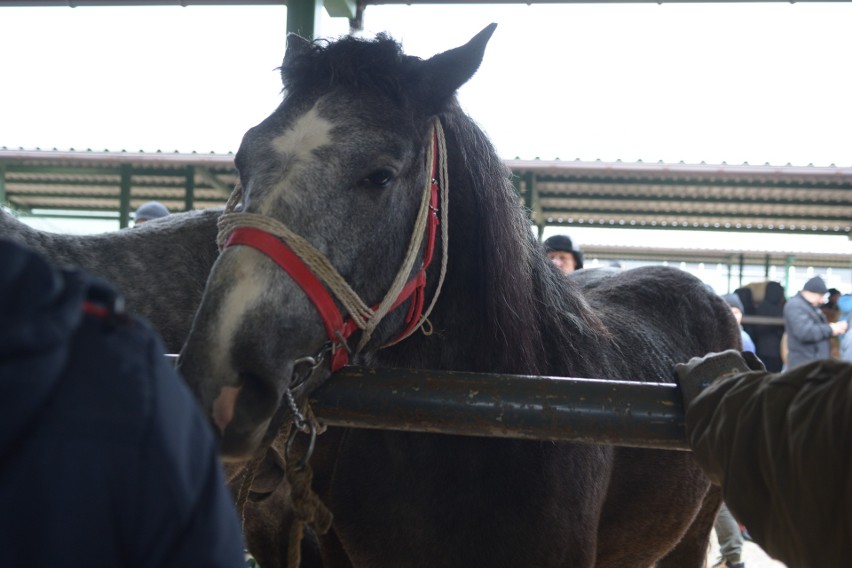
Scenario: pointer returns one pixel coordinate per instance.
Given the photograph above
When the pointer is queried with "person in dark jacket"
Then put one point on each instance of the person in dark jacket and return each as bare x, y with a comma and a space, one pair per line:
105, 457
808, 331
767, 338
780, 446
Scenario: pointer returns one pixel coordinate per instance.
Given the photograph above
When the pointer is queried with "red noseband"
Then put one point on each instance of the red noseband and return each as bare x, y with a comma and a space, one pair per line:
337, 328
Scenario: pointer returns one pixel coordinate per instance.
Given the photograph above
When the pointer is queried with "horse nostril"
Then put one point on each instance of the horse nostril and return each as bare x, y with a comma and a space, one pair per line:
224, 405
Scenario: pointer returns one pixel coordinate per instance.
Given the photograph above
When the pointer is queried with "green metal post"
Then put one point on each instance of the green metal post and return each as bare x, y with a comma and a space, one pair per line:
124, 196
189, 194
303, 17
788, 270
2, 183
742, 268
730, 273
535, 204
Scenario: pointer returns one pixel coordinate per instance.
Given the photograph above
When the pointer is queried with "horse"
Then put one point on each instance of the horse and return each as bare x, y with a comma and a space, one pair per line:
378, 226
160, 267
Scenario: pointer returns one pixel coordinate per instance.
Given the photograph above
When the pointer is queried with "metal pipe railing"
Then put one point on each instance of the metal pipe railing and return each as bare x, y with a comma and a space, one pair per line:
593, 411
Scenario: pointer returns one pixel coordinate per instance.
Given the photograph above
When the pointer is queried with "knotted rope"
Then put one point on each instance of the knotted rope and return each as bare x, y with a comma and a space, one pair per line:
308, 508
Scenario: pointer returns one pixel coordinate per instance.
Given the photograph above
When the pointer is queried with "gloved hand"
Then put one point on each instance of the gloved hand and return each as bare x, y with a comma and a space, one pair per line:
699, 372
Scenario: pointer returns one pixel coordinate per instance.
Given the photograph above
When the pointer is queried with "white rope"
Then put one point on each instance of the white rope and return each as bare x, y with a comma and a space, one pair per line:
361, 314
445, 228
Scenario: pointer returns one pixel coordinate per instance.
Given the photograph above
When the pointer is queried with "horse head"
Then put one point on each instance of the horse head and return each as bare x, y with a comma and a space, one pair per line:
326, 238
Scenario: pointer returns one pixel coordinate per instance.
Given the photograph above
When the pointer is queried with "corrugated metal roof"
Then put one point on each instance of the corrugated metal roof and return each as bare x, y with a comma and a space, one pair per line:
784, 199
93, 181
790, 199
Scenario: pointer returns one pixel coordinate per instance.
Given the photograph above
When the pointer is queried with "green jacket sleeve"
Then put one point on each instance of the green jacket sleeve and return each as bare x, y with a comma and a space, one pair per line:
780, 445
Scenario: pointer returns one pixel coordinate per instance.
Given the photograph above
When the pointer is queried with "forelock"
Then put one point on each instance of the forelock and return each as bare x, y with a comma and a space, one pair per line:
359, 64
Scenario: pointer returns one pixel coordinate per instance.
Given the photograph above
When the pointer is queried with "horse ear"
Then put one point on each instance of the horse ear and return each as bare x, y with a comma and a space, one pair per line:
444, 73
296, 45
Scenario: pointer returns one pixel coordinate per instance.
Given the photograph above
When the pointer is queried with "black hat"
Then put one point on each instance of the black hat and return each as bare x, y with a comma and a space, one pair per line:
734, 301
562, 243
816, 285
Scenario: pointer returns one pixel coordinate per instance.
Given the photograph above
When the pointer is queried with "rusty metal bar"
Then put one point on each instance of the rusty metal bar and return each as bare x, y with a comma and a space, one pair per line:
619, 413
593, 411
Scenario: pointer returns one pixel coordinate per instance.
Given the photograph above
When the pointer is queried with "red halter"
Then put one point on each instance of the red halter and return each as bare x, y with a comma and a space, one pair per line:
338, 329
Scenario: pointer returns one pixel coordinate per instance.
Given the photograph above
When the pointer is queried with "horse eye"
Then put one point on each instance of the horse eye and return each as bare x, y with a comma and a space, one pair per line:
378, 178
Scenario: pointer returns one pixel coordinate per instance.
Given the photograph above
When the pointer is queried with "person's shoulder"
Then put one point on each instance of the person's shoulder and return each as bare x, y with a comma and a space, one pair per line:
112, 366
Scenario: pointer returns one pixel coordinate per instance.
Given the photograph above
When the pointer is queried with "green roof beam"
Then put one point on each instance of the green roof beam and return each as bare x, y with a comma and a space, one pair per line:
341, 8
211, 179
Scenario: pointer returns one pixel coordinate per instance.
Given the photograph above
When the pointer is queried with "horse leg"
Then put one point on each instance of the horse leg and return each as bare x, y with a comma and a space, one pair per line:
646, 515
696, 540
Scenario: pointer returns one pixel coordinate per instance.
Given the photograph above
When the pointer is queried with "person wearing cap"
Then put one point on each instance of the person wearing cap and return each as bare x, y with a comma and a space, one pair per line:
562, 252
808, 331
738, 310
149, 211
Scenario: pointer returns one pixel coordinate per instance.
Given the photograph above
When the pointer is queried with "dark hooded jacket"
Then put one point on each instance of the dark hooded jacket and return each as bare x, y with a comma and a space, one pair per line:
767, 340
105, 458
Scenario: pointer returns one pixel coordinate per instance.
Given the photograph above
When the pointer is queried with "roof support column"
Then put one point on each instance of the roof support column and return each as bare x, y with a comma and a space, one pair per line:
189, 193
2, 183
303, 17
742, 269
124, 197
730, 273
788, 276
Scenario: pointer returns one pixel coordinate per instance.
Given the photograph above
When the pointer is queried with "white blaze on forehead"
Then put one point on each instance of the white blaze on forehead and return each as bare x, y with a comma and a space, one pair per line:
309, 132
249, 286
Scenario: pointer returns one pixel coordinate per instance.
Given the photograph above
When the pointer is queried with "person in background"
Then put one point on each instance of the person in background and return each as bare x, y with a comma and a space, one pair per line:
780, 447
844, 305
728, 530
767, 338
105, 456
148, 211
832, 313
562, 252
808, 332
736, 306
829, 308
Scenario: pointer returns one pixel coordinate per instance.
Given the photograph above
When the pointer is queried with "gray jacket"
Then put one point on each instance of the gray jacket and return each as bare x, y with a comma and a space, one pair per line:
808, 332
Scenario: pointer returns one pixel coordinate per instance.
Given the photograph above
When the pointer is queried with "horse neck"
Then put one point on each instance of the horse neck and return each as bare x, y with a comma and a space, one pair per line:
12, 228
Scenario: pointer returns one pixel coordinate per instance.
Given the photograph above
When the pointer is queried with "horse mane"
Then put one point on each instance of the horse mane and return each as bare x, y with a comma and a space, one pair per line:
545, 324
519, 313
355, 63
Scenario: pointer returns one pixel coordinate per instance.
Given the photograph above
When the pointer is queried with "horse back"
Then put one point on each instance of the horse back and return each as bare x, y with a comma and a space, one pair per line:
660, 316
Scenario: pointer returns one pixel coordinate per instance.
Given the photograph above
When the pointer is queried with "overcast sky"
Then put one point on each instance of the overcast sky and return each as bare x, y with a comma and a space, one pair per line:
730, 82
765, 82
